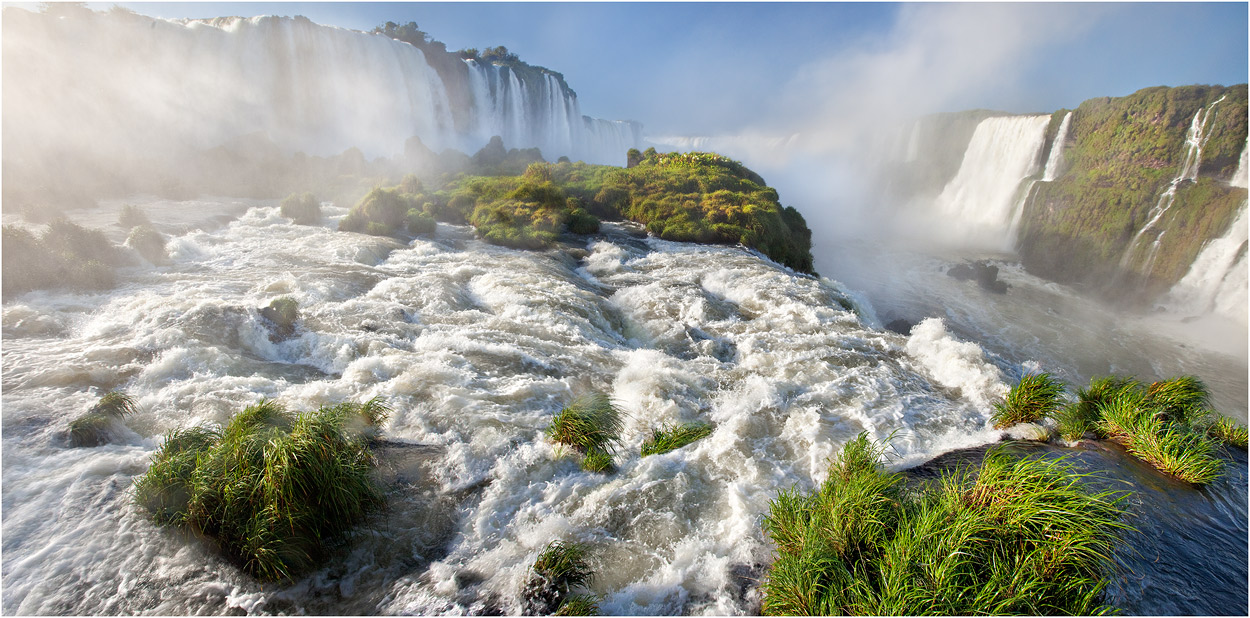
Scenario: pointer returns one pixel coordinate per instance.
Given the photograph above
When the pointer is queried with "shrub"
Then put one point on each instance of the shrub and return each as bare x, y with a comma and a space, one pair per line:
281, 315
149, 243
559, 568
1014, 536
592, 426
420, 222
1034, 397
100, 423
674, 437
301, 208
272, 487
132, 216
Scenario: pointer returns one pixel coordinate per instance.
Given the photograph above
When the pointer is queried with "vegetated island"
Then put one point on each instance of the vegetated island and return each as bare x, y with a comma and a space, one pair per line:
689, 197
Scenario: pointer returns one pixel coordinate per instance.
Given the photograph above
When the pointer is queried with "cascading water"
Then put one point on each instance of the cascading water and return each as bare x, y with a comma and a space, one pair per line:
1241, 177
1055, 160
1216, 281
161, 85
1195, 139
980, 205
475, 346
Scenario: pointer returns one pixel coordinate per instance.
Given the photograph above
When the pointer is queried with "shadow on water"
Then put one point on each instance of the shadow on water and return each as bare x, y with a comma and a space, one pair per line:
1189, 556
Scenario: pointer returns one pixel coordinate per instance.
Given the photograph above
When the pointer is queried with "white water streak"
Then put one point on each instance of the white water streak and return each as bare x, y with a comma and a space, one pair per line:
1055, 160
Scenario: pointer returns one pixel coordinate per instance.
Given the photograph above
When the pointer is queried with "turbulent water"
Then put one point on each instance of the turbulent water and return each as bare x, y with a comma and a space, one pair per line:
476, 347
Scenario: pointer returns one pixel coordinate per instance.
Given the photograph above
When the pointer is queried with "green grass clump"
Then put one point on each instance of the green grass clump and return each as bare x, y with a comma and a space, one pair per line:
1081, 416
64, 255
132, 216
674, 437
272, 487
1036, 396
419, 222
1016, 536
1134, 419
559, 568
101, 421
1229, 431
301, 208
592, 426
579, 605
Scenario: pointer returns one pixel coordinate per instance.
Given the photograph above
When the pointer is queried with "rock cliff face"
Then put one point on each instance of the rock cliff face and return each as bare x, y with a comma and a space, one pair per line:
1146, 182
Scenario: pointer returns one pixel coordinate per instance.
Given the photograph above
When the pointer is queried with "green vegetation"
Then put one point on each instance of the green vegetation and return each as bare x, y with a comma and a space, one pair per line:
148, 243
65, 254
1168, 424
692, 197
96, 426
273, 488
1122, 155
674, 437
592, 426
1033, 398
1016, 536
132, 216
282, 314
560, 568
302, 208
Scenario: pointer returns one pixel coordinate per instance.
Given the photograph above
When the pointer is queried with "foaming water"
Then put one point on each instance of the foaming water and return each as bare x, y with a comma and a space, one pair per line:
1040, 325
475, 347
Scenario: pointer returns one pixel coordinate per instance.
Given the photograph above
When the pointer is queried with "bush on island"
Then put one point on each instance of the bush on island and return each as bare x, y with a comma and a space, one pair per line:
101, 422
592, 426
301, 208
273, 488
674, 437
559, 569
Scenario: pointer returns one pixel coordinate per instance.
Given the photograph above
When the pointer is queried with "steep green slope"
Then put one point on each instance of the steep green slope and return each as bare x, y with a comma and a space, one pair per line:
1121, 155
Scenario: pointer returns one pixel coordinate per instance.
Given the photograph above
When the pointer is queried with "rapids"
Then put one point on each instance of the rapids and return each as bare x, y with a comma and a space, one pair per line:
475, 346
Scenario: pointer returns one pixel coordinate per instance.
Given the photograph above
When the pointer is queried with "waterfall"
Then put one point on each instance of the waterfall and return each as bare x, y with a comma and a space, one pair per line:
152, 86
1240, 178
1216, 281
1055, 160
983, 199
1195, 139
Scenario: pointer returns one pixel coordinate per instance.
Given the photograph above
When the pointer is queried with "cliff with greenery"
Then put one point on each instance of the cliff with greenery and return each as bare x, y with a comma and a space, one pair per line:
1091, 228
691, 197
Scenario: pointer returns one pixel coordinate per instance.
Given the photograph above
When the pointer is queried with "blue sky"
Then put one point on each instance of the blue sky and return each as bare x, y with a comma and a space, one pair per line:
717, 68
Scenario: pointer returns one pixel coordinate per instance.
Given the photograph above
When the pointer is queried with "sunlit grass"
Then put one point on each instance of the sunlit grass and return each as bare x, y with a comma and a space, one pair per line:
1080, 417
1229, 431
101, 421
559, 569
272, 487
1017, 535
674, 437
1034, 397
592, 426
1146, 433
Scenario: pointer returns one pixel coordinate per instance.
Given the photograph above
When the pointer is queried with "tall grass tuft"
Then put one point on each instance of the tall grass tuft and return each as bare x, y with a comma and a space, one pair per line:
100, 422
272, 487
1081, 417
674, 437
1228, 431
559, 568
1014, 536
591, 425
1180, 400
579, 605
1034, 397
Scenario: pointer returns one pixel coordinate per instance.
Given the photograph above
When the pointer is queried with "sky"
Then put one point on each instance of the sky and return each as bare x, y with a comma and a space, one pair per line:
725, 68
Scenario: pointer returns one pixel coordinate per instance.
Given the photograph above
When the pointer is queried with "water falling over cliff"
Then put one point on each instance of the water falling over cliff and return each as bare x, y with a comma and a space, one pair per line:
1054, 162
982, 201
116, 85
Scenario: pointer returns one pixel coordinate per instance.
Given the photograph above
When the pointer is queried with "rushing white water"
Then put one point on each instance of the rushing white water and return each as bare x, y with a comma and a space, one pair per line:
980, 203
1055, 161
169, 85
1195, 139
476, 347
1216, 281
1241, 177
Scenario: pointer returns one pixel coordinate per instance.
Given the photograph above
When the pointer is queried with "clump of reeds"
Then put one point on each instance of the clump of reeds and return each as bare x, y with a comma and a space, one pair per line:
282, 314
592, 426
97, 426
1014, 536
559, 569
272, 487
674, 437
1152, 426
132, 216
301, 208
1081, 416
1034, 397
1228, 431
